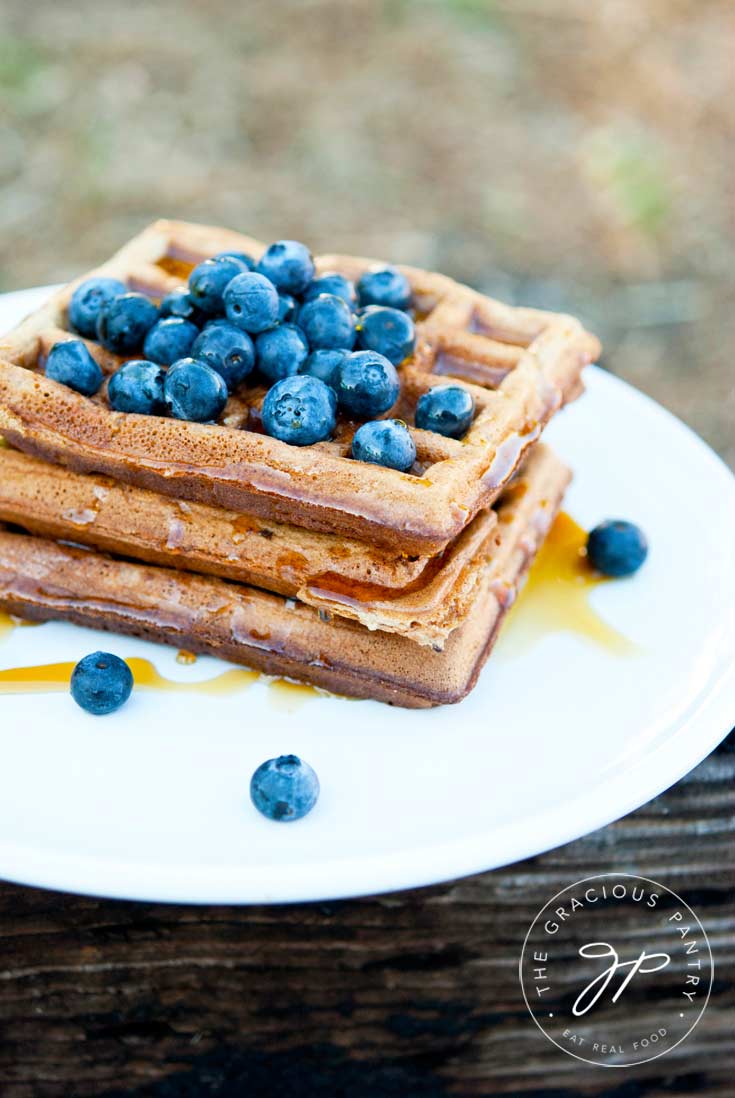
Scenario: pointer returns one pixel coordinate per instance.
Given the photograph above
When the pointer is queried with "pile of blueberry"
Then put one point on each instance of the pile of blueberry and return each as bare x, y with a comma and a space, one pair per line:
321, 343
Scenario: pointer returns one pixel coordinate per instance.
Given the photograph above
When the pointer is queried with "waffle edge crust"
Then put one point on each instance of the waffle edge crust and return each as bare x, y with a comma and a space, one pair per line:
41, 579
520, 365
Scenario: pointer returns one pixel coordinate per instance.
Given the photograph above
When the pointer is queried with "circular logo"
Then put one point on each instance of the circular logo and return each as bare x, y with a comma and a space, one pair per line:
616, 970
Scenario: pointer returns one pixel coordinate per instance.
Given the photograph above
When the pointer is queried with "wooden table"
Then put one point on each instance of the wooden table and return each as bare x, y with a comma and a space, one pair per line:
412, 994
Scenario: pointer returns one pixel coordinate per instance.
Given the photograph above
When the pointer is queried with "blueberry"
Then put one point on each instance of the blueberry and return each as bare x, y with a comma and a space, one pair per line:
299, 410
284, 789
242, 257
384, 286
446, 410
208, 281
193, 390
88, 299
281, 351
366, 384
332, 283
124, 321
287, 307
323, 363
71, 364
227, 349
385, 442
137, 387
327, 321
288, 265
390, 332
617, 548
101, 683
169, 340
251, 303
179, 303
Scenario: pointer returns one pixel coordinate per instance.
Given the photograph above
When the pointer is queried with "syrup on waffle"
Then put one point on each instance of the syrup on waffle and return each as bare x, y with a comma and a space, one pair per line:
43, 579
421, 598
120, 518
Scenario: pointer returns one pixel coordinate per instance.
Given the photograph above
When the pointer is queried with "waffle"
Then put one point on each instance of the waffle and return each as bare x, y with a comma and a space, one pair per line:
424, 599
43, 579
120, 518
519, 364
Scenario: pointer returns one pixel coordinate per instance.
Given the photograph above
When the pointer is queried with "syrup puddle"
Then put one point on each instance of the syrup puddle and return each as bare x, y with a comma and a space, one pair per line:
555, 598
8, 622
53, 678
287, 696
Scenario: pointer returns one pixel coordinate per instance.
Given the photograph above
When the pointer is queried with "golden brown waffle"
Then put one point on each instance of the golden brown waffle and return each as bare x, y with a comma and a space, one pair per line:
42, 579
422, 598
519, 364
120, 518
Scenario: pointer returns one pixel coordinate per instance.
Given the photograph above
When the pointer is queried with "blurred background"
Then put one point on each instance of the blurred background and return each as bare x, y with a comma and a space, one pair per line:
559, 153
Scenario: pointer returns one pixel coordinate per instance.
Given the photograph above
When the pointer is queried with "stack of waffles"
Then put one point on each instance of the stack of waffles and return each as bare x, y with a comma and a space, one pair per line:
296, 561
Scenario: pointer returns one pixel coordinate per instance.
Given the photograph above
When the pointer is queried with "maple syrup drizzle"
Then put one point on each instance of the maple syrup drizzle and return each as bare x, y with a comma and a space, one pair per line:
555, 597
53, 678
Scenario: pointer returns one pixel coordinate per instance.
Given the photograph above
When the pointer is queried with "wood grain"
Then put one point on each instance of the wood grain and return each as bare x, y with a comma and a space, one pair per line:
409, 994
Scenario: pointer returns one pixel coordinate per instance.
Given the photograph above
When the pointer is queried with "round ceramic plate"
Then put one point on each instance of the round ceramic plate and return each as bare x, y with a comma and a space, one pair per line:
562, 735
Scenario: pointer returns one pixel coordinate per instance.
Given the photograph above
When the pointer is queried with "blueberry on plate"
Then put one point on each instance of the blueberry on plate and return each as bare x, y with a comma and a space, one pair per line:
251, 303
384, 286
617, 547
169, 340
88, 299
137, 386
327, 321
70, 363
385, 442
242, 257
124, 321
284, 789
179, 303
227, 349
289, 266
390, 332
332, 283
281, 351
208, 281
193, 390
366, 384
288, 307
446, 410
101, 682
323, 363
299, 410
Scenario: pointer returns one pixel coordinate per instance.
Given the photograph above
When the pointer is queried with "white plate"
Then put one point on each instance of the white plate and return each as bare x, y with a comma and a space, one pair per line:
556, 740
